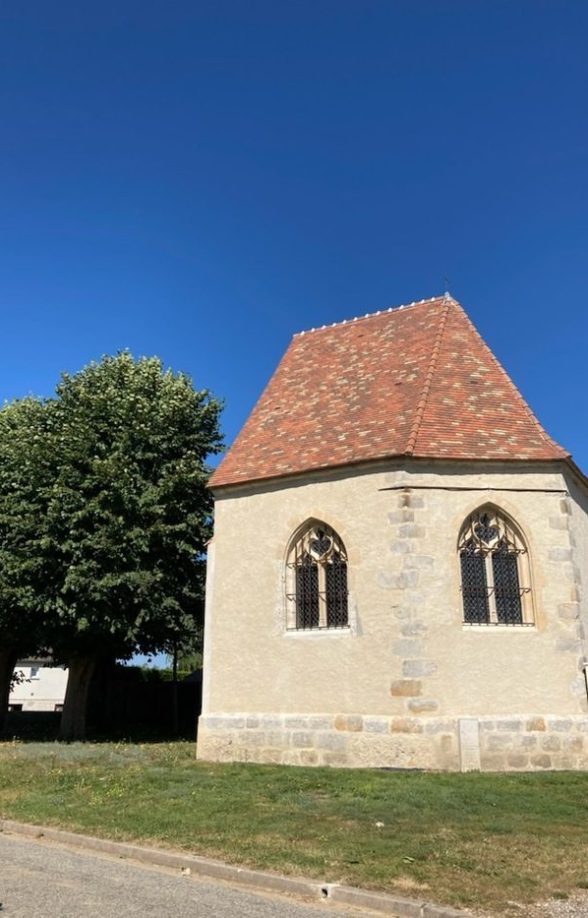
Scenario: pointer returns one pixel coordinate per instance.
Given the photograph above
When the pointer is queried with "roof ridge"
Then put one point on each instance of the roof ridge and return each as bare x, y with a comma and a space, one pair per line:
379, 312
526, 407
420, 409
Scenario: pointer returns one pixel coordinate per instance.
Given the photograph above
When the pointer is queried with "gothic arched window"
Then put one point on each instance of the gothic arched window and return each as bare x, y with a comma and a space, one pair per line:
316, 588
495, 575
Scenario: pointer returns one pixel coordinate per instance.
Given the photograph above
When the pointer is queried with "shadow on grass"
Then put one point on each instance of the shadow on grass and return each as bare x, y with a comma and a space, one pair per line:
43, 727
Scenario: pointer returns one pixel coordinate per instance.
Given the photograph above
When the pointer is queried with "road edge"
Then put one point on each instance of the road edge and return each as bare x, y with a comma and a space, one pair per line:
313, 890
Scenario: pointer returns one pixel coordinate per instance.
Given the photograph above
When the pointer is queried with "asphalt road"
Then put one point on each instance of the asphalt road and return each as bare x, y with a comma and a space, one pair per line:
49, 881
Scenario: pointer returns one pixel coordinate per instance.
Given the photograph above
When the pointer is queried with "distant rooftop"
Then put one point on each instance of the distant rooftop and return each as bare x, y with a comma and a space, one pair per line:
415, 380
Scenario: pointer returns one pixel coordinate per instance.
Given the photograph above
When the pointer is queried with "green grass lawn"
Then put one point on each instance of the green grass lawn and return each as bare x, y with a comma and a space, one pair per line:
461, 839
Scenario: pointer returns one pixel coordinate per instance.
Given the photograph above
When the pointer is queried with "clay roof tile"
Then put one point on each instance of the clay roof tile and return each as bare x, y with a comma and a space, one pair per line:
417, 380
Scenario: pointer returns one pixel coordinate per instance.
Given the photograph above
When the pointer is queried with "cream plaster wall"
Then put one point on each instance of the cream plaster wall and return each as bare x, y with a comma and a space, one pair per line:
578, 506
407, 653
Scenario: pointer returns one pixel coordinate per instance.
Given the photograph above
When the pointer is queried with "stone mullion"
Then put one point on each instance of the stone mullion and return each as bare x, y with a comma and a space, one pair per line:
322, 595
492, 613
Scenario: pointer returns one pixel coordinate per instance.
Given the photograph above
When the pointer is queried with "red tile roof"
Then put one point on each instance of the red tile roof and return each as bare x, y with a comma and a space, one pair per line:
413, 381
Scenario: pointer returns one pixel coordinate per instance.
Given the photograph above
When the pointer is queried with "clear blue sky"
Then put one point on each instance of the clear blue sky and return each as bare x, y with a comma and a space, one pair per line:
200, 180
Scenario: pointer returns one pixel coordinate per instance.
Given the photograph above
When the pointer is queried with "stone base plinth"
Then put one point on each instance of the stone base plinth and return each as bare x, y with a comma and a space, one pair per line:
533, 742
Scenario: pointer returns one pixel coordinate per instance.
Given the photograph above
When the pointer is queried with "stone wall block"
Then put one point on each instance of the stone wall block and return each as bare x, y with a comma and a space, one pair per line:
375, 724
573, 743
493, 762
353, 723
277, 738
541, 761
418, 668
560, 554
336, 742
551, 743
252, 723
296, 722
401, 516
561, 725
536, 723
567, 645
272, 721
510, 726
321, 723
413, 628
406, 688
214, 723
518, 761
568, 611
389, 581
411, 531
497, 742
558, 522
447, 743
254, 738
422, 705
405, 725
303, 738
528, 742
402, 548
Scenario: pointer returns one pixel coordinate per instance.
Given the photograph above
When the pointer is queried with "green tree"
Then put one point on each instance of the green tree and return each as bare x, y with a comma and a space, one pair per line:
26, 470
128, 516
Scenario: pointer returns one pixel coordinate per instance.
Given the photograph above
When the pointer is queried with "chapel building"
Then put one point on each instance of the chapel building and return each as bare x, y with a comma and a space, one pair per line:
398, 572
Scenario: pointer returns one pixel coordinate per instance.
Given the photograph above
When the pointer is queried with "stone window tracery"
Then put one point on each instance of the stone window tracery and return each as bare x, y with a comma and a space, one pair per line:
495, 574
316, 580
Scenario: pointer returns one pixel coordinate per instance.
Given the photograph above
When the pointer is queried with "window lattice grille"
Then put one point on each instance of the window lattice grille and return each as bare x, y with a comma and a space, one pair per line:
492, 556
317, 574
474, 585
506, 586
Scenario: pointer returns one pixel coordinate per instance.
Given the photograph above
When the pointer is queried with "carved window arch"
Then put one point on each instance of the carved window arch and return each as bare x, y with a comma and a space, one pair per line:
495, 572
316, 580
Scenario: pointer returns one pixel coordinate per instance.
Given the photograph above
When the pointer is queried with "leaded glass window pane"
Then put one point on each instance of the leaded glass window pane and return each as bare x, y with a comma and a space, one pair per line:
307, 594
336, 592
474, 586
506, 586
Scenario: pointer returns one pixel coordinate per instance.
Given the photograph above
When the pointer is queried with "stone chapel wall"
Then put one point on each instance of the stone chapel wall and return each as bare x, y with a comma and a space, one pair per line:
407, 684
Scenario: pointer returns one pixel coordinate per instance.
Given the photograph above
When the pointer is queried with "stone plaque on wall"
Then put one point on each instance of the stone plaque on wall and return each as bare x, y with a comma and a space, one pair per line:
469, 744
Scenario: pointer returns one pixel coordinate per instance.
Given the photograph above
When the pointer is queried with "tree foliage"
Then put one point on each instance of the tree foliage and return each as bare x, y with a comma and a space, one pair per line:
114, 516
26, 468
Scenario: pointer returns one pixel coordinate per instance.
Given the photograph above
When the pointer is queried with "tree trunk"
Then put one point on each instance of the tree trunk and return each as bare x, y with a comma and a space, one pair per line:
73, 719
8, 658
